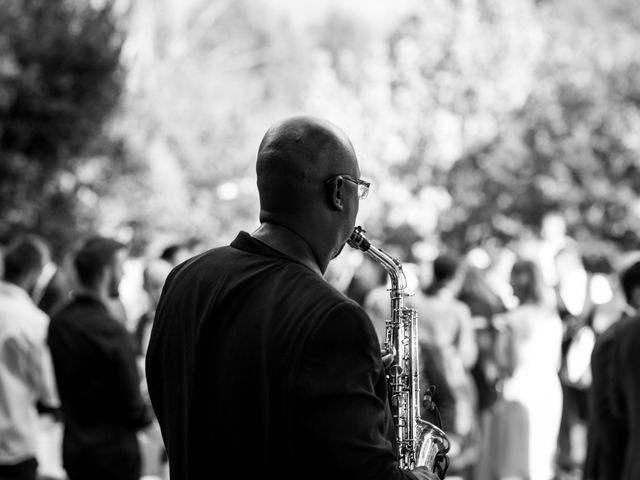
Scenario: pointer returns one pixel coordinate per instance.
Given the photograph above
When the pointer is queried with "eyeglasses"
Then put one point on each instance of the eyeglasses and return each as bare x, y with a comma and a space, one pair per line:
363, 186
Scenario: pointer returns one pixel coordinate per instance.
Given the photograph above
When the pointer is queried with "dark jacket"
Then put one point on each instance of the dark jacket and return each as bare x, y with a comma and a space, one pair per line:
626, 391
258, 368
607, 434
102, 407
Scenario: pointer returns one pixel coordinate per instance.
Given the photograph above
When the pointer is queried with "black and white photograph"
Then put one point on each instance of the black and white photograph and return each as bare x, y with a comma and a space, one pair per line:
319, 240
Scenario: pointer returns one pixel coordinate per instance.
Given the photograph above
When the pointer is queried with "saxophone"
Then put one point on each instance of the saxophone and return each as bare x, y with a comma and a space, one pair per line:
418, 442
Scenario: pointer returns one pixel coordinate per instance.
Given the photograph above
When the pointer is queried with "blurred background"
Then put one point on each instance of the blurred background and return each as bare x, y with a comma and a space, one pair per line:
484, 126
471, 118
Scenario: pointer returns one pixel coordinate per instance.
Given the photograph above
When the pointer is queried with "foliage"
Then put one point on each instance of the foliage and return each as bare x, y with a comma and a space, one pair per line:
498, 113
573, 147
60, 79
472, 119
204, 86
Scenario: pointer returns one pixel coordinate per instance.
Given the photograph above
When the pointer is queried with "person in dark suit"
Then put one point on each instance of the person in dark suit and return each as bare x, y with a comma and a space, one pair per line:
258, 367
95, 366
627, 393
606, 434
625, 366
614, 399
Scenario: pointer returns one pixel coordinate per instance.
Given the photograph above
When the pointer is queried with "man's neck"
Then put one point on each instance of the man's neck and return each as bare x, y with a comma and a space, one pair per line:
98, 293
288, 242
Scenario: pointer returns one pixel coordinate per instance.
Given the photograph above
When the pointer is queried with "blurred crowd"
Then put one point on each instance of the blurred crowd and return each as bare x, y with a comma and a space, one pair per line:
73, 338
509, 336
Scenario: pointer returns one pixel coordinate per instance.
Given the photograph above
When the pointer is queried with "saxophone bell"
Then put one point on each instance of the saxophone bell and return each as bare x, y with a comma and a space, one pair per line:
432, 446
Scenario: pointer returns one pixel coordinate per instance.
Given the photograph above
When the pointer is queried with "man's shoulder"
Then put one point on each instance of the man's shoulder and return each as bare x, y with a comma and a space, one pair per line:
340, 314
236, 260
86, 314
208, 262
70, 309
21, 313
625, 331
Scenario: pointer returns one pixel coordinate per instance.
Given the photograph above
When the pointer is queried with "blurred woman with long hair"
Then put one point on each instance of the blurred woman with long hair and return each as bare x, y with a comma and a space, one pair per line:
530, 353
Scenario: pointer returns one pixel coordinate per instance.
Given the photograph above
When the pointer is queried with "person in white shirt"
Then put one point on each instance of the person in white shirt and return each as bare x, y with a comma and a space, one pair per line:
26, 371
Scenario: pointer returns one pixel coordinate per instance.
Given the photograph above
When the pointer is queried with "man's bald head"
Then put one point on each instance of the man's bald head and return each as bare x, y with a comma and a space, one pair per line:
295, 157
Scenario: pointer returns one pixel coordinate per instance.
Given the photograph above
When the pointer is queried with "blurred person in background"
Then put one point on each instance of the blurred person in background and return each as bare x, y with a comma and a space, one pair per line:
26, 372
96, 371
366, 277
484, 304
614, 427
563, 270
53, 287
530, 354
576, 311
448, 337
176, 253
154, 274
625, 370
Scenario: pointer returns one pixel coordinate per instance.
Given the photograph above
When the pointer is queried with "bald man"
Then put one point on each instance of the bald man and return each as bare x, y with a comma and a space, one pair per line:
257, 367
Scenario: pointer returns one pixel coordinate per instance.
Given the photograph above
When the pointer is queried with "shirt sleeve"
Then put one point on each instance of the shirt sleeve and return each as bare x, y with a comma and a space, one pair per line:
27, 355
43, 376
345, 423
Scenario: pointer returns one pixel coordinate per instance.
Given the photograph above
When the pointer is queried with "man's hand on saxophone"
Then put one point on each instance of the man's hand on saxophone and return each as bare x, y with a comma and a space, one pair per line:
387, 358
423, 473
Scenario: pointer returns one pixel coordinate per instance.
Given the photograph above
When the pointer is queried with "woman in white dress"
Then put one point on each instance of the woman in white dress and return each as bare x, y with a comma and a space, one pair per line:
532, 351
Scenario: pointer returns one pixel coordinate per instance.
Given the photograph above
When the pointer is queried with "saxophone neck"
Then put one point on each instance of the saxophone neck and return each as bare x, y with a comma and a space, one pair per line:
393, 267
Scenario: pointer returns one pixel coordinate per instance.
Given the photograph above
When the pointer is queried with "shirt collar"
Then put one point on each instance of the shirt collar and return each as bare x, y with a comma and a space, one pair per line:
283, 241
87, 297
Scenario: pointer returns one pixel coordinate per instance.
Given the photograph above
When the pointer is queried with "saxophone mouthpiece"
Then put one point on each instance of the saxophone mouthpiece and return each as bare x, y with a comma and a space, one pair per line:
358, 241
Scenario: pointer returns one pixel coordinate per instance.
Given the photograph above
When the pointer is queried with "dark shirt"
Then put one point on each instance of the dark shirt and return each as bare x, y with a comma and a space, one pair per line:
442, 411
625, 372
607, 435
99, 387
258, 368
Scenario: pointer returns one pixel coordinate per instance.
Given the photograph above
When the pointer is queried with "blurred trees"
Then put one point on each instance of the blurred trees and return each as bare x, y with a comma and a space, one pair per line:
472, 118
572, 147
60, 79
205, 80
500, 112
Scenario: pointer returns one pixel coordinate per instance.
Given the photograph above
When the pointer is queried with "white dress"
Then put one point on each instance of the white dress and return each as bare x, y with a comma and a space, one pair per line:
537, 336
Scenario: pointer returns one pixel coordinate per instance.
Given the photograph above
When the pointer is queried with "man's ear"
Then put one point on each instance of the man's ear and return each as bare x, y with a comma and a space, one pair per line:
335, 193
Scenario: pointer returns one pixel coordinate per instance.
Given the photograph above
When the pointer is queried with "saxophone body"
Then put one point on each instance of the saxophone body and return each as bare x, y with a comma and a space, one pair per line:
418, 442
